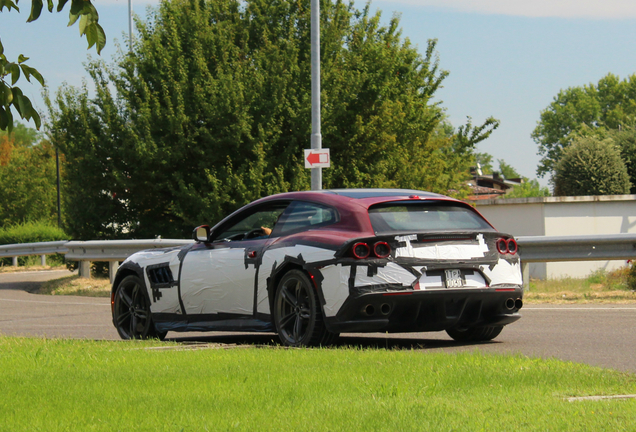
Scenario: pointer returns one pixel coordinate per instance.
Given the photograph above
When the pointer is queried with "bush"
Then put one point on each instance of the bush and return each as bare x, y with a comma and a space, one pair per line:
590, 166
32, 232
631, 276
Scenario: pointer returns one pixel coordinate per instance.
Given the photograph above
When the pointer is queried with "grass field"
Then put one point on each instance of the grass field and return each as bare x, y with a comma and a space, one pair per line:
599, 287
72, 385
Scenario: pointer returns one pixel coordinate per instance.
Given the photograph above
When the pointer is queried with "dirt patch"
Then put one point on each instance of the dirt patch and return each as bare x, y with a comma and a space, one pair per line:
569, 297
13, 269
78, 286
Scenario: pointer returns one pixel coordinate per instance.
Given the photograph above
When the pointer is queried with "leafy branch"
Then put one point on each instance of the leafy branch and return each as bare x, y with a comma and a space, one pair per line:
12, 96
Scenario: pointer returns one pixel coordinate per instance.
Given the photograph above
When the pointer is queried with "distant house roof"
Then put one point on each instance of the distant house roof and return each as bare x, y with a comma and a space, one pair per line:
490, 186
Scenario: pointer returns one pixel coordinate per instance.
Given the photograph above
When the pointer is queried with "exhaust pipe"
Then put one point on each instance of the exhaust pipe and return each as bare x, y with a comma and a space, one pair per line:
385, 309
510, 304
369, 310
518, 303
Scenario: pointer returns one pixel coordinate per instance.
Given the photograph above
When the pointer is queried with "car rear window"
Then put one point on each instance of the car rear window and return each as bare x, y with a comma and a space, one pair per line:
402, 217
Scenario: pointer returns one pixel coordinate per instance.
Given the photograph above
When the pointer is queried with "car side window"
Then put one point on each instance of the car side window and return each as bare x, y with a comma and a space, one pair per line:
257, 224
302, 216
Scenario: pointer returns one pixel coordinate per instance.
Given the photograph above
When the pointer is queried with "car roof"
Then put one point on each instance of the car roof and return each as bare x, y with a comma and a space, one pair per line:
358, 197
375, 193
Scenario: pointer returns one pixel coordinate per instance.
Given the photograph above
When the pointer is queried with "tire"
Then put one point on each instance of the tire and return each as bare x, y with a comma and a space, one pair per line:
297, 313
131, 311
475, 334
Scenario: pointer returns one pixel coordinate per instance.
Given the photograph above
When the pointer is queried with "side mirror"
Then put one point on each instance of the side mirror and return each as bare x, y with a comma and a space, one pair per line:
201, 233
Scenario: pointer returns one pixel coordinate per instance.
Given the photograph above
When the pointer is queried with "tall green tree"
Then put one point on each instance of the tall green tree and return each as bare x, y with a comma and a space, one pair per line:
11, 96
590, 166
212, 110
610, 104
27, 176
626, 142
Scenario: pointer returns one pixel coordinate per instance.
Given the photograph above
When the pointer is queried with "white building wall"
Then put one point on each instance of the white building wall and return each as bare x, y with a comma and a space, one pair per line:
563, 216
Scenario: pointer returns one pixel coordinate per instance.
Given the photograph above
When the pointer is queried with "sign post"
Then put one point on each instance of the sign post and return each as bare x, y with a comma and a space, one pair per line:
316, 137
317, 159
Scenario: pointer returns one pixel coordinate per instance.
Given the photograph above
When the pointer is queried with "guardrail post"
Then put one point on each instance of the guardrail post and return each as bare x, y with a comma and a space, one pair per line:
112, 270
85, 269
14, 261
43, 260
525, 273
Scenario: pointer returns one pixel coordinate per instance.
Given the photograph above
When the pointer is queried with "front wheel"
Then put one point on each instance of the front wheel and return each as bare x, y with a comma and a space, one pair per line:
131, 311
297, 313
475, 334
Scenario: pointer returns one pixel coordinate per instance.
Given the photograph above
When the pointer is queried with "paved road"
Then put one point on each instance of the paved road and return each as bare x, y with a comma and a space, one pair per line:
601, 335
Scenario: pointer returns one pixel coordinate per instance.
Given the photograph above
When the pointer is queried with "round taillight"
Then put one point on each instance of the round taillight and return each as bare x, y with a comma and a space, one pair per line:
512, 246
361, 250
502, 246
382, 249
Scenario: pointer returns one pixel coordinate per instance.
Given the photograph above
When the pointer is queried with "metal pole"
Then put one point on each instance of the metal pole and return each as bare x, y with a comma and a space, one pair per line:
130, 25
59, 208
316, 137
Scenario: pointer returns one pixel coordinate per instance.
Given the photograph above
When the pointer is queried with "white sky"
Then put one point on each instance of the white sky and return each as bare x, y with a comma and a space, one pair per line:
535, 8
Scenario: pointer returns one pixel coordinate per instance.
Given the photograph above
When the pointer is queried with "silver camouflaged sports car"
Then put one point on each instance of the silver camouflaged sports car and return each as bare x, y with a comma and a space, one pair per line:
311, 265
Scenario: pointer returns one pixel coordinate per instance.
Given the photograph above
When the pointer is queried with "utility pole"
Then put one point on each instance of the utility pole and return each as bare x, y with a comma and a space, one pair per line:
316, 137
59, 207
130, 26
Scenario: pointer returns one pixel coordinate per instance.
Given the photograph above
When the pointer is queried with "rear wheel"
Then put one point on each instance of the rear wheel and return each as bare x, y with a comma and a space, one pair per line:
131, 311
475, 334
297, 313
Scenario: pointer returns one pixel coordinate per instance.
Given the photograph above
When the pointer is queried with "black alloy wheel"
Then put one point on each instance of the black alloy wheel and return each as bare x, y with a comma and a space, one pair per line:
131, 312
297, 313
475, 334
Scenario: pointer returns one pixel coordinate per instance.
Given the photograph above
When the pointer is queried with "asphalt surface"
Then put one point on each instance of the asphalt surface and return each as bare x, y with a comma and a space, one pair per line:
599, 335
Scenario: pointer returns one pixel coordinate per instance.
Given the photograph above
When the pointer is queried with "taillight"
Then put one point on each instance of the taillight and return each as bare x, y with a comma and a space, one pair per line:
512, 246
361, 250
507, 246
382, 249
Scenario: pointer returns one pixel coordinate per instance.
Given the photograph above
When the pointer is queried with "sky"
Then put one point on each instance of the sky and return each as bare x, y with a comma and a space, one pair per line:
507, 58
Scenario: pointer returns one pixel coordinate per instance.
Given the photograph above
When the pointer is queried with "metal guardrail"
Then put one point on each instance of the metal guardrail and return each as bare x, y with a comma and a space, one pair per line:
25, 249
115, 250
531, 249
111, 251
577, 248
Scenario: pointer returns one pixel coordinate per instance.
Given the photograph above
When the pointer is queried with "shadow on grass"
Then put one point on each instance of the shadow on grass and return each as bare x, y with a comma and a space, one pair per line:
371, 341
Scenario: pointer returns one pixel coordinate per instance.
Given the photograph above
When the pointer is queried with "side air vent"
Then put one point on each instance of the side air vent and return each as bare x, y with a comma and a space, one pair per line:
160, 276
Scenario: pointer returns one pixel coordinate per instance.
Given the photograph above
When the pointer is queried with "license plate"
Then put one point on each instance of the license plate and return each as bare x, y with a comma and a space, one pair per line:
454, 279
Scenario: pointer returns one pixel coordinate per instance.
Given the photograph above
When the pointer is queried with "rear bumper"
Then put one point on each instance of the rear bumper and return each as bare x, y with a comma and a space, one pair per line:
421, 311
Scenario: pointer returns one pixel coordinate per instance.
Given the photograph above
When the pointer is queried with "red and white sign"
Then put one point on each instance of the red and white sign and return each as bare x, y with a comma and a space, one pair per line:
317, 158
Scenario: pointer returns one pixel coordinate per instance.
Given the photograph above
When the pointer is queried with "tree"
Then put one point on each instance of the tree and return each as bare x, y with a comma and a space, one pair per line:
590, 166
610, 105
626, 142
27, 176
507, 171
212, 110
11, 96
528, 189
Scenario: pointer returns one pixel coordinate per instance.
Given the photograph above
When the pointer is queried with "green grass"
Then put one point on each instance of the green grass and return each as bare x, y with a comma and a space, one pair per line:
70, 385
599, 280
600, 286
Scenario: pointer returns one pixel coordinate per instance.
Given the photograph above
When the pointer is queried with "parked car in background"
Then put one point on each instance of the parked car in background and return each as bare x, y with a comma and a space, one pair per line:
312, 265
